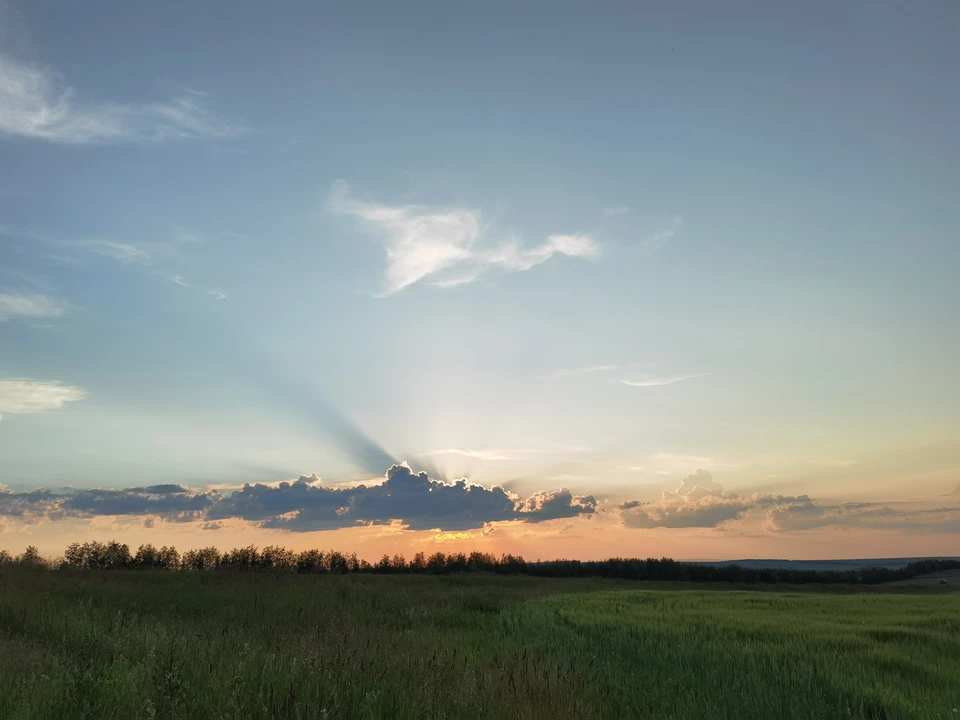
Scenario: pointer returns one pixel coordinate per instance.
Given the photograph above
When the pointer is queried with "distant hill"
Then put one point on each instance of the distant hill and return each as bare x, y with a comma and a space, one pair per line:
851, 564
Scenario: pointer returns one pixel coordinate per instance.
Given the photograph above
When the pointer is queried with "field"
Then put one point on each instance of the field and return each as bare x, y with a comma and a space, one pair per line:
951, 576
233, 645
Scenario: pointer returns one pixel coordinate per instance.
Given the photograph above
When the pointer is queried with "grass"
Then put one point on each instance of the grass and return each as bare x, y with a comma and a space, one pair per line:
225, 645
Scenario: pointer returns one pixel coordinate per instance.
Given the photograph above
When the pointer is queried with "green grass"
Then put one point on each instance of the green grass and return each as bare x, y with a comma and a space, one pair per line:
223, 645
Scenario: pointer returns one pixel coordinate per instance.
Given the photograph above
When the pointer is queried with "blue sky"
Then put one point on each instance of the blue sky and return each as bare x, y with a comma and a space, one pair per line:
557, 245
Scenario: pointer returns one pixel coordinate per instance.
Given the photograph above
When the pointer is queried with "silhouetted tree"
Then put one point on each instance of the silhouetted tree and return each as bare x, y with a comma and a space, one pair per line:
206, 558
311, 561
31, 558
115, 556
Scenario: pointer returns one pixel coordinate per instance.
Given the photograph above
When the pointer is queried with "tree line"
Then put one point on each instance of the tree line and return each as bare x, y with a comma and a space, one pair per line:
117, 556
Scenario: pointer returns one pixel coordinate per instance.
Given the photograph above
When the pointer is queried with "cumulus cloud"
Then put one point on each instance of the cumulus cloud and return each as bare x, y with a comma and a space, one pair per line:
555, 505
700, 501
36, 103
696, 486
411, 499
177, 504
803, 513
21, 396
29, 306
170, 502
447, 245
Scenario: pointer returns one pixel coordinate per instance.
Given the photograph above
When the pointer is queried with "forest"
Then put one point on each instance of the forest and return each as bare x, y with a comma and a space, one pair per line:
118, 556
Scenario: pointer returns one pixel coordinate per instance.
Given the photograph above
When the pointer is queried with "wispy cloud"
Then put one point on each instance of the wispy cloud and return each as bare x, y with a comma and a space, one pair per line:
583, 371
190, 236
178, 280
661, 238
447, 243
29, 306
217, 294
615, 210
36, 103
487, 454
669, 463
20, 395
121, 252
658, 381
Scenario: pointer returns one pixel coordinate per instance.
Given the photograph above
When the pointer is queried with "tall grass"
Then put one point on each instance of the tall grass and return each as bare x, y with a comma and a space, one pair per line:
212, 645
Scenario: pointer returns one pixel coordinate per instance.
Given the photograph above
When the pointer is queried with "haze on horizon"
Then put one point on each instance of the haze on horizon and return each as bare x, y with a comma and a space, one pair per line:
558, 280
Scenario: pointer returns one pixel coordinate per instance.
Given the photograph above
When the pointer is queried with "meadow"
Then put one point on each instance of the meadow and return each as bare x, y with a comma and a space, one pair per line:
155, 644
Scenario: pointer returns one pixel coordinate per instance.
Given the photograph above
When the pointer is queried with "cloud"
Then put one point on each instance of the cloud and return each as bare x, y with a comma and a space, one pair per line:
190, 236
583, 371
491, 454
406, 499
178, 280
661, 238
121, 252
172, 503
30, 306
414, 501
633, 367
217, 294
803, 513
419, 502
446, 245
658, 381
615, 210
21, 396
699, 502
511, 256
36, 103
180, 505
554, 505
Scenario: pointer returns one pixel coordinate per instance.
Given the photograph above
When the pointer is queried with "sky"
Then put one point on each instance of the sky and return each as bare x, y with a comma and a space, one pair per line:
563, 279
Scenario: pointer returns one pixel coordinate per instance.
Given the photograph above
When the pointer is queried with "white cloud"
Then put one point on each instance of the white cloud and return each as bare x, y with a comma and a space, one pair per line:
490, 454
19, 395
178, 280
658, 381
121, 252
35, 103
190, 236
29, 306
422, 243
217, 294
699, 502
511, 256
583, 371
661, 238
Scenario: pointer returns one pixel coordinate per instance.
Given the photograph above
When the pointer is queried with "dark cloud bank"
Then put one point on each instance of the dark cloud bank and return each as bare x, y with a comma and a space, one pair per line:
305, 505
421, 503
